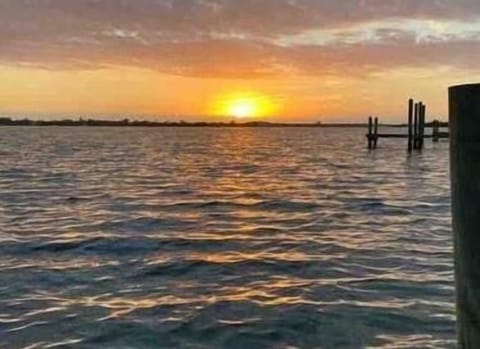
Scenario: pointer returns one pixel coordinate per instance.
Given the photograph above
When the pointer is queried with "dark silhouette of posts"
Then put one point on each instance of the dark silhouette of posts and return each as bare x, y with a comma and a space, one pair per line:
417, 115
436, 131
465, 172
410, 125
370, 133
421, 128
415, 125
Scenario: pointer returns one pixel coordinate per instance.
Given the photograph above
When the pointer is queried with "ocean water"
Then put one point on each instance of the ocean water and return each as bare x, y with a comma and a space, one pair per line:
222, 238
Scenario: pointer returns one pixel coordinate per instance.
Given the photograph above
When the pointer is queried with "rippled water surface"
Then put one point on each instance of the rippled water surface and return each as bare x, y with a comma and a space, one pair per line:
222, 238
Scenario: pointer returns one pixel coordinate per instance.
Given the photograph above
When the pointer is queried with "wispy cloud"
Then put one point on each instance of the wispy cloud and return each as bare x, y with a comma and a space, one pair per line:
248, 39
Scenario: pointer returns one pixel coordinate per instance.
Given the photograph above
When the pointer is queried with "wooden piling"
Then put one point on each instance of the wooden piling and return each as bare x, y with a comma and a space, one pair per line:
421, 133
436, 131
415, 125
375, 132
370, 132
465, 172
410, 125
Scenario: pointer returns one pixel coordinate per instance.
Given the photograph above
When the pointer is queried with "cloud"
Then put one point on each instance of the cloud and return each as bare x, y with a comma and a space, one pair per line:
247, 39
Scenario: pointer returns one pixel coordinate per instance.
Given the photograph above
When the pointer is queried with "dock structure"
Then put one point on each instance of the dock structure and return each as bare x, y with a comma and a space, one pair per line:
417, 113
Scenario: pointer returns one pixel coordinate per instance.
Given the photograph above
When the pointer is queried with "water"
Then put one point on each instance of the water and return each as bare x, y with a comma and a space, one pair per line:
222, 238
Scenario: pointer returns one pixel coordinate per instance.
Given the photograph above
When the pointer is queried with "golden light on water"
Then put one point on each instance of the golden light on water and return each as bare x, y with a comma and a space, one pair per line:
244, 105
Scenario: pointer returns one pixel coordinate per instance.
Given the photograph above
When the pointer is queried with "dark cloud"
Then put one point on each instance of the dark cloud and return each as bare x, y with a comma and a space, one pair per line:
227, 38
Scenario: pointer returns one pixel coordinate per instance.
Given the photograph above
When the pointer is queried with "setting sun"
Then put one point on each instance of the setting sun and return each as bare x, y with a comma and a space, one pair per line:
243, 109
244, 105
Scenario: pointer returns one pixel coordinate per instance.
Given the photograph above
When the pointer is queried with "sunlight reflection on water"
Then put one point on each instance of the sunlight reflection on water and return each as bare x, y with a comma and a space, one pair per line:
216, 238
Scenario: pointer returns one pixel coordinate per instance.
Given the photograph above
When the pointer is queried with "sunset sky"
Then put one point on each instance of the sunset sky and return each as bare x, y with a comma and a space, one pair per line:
276, 60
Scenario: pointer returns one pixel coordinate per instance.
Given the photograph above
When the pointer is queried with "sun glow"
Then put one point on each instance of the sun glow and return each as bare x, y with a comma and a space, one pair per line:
244, 105
243, 109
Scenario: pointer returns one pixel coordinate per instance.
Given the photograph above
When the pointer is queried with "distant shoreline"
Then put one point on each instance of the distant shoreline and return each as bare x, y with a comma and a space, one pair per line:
157, 124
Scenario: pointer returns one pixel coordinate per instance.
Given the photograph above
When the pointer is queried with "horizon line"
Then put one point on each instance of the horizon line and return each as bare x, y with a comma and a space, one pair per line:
127, 122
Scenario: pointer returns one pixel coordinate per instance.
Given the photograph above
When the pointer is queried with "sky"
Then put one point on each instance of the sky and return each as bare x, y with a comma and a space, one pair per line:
274, 60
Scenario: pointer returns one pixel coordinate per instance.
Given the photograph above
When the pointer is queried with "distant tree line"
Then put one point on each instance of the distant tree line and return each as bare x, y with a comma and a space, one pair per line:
5, 121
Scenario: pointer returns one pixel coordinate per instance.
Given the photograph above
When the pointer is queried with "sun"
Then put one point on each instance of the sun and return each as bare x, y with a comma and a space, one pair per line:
243, 109
244, 105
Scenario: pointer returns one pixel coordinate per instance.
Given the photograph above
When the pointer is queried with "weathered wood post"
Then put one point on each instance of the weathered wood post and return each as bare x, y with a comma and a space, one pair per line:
439, 125
415, 125
421, 133
410, 125
439, 130
465, 173
375, 132
370, 132
436, 131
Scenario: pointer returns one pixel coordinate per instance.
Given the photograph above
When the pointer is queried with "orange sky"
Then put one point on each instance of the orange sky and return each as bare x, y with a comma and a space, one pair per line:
202, 60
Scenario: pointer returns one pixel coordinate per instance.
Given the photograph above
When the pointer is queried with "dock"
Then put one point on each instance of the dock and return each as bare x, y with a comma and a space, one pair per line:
416, 135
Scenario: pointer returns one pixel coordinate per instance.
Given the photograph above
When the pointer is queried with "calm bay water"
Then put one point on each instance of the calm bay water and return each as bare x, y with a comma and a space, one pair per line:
222, 238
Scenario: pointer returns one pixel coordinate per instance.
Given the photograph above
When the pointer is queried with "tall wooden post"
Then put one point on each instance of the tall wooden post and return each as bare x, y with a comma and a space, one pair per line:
370, 132
436, 131
465, 172
415, 125
421, 133
375, 132
410, 125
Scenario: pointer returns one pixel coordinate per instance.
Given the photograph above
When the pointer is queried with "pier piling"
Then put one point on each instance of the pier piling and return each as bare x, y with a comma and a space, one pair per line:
421, 130
410, 125
436, 131
415, 125
465, 175
370, 133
